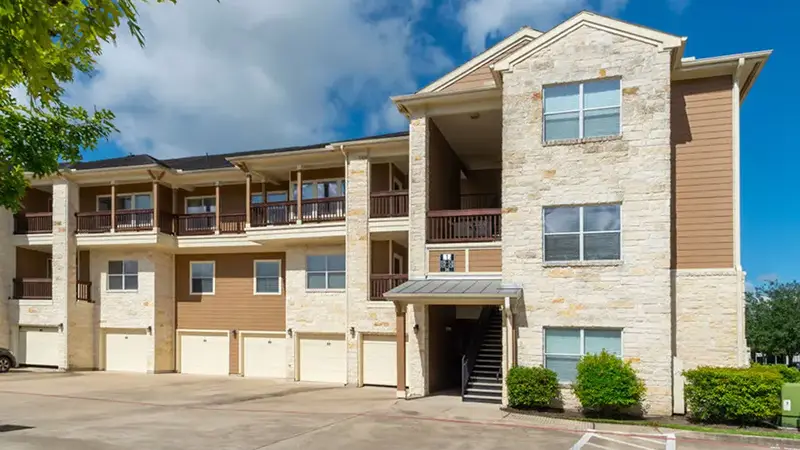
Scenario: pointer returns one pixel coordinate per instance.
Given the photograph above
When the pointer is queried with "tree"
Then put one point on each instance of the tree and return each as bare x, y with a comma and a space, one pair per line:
773, 318
43, 43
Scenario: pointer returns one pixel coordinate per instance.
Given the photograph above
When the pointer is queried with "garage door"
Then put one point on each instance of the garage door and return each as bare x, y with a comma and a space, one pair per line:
264, 356
379, 360
323, 358
126, 351
38, 346
204, 354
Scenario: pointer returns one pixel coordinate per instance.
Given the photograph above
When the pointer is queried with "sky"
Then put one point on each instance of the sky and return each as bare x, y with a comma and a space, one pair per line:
239, 75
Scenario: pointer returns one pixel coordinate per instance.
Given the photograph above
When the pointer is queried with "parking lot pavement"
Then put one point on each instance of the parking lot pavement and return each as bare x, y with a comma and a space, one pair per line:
94, 411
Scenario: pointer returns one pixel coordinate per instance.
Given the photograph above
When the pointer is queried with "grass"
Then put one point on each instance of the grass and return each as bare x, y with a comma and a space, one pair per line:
699, 428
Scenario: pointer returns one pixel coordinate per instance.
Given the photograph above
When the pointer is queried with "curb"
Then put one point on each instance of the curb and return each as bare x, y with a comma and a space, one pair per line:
773, 442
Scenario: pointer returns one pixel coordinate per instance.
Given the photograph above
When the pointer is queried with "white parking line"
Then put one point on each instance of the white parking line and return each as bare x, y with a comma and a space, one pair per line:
592, 444
582, 441
600, 436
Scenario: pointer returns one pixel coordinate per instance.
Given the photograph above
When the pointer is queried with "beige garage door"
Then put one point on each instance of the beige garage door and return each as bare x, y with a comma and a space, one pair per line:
379, 360
323, 358
204, 353
264, 355
39, 346
126, 350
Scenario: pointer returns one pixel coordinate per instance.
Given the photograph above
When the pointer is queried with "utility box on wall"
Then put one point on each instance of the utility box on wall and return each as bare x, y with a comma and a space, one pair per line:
790, 405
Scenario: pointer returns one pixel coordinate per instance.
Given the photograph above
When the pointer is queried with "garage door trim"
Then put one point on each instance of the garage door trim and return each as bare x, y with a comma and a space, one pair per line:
243, 334
184, 331
104, 332
16, 343
298, 336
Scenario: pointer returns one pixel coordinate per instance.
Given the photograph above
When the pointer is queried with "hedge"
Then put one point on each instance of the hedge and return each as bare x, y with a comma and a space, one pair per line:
531, 387
788, 374
733, 395
607, 385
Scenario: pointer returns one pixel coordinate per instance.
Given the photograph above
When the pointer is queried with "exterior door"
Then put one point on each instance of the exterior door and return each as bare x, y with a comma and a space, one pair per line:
323, 358
38, 346
379, 360
264, 356
205, 354
126, 351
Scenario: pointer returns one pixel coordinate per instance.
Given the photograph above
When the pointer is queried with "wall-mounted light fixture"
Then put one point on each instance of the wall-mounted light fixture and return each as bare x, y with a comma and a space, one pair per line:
289, 332
352, 331
60, 327
149, 330
416, 328
233, 333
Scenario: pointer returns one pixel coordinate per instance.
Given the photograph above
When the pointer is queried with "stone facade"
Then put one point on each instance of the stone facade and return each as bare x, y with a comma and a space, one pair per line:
7, 273
633, 294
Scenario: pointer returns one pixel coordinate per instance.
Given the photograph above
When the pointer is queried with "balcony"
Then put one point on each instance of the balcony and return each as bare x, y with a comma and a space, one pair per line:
381, 284
33, 223
388, 204
42, 289
206, 224
311, 210
84, 291
465, 225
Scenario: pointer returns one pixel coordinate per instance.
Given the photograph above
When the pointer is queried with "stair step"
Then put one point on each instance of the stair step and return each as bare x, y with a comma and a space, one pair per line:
481, 399
483, 379
475, 387
483, 391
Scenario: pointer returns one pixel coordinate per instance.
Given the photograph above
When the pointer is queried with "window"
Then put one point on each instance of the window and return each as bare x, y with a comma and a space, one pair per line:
256, 199
202, 277
582, 110
563, 347
582, 233
278, 196
325, 272
201, 205
123, 276
320, 189
125, 202
267, 277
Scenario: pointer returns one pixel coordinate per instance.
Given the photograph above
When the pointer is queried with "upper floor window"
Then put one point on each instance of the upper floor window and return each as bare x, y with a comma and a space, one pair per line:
201, 274
319, 189
582, 110
564, 347
325, 272
123, 275
582, 233
200, 205
267, 277
125, 202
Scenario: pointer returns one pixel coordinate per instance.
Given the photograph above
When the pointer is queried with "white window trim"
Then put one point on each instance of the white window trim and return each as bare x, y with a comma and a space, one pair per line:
326, 289
582, 344
280, 277
580, 233
397, 257
581, 110
316, 183
395, 183
213, 278
109, 274
195, 197
126, 194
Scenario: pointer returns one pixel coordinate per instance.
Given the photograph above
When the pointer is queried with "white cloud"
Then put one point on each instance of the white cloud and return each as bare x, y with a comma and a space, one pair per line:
768, 278
237, 75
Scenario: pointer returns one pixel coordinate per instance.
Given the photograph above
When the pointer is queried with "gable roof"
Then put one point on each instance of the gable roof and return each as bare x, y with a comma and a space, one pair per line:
585, 18
521, 37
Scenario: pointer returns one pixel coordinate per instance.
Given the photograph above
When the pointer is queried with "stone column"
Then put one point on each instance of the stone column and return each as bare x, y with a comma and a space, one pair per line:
417, 346
155, 206
248, 199
357, 253
113, 207
216, 208
78, 319
7, 274
400, 311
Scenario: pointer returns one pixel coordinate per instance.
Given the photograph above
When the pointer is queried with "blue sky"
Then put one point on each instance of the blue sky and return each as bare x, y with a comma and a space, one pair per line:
232, 76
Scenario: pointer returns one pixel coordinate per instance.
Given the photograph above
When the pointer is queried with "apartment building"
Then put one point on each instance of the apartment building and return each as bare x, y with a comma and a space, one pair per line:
561, 193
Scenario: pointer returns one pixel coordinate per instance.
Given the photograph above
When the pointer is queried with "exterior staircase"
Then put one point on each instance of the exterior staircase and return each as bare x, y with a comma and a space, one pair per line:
485, 382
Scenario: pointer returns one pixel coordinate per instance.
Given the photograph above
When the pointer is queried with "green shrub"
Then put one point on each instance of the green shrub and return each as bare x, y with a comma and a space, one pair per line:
788, 374
732, 395
531, 387
607, 385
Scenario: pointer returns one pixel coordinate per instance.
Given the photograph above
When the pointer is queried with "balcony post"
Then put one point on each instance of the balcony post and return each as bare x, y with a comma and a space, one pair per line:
299, 195
216, 207
400, 326
113, 207
155, 206
248, 200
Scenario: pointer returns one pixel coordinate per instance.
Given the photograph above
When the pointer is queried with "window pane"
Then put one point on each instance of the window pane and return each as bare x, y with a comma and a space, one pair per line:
561, 98
601, 218
336, 262
208, 284
131, 282
194, 202
597, 94
124, 202
562, 247
142, 202
197, 285
256, 199
276, 197
561, 126
562, 340
596, 341
315, 263
601, 246
316, 281
564, 366
267, 285
104, 204
267, 269
562, 220
115, 267
336, 280
114, 282
202, 270
309, 190
131, 266
210, 203
601, 122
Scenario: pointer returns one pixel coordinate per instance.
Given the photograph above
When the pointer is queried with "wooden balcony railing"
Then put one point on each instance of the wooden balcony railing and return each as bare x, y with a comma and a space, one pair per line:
381, 284
194, 224
94, 222
135, 220
389, 204
469, 225
480, 201
33, 288
84, 290
232, 223
277, 213
33, 223
323, 209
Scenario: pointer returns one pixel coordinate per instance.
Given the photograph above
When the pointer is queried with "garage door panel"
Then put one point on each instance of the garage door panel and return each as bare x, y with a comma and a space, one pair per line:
379, 360
127, 351
323, 359
264, 356
204, 354
39, 346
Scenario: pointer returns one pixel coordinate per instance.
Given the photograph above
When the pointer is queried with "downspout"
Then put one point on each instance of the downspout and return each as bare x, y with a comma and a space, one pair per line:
737, 227
347, 270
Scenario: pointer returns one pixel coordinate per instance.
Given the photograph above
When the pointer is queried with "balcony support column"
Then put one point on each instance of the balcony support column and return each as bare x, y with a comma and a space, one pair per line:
216, 207
155, 206
357, 254
113, 206
400, 325
248, 200
8, 271
299, 195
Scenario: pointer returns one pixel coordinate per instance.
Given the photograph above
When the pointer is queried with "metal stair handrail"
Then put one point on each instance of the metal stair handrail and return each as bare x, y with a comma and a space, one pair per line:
474, 346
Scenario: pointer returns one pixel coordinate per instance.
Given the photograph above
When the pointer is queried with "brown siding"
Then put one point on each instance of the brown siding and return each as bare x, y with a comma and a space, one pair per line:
485, 260
433, 259
379, 177
444, 188
36, 201
482, 182
31, 263
481, 77
233, 305
85, 269
319, 174
702, 141
401, 250
164, 198
88, 195
380, 257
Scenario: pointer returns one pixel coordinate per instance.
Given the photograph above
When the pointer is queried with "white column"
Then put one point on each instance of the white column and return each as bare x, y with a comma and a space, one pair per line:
7, 274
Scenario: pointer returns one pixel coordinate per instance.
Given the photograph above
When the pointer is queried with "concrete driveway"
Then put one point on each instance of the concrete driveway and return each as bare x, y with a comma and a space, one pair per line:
88, 411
